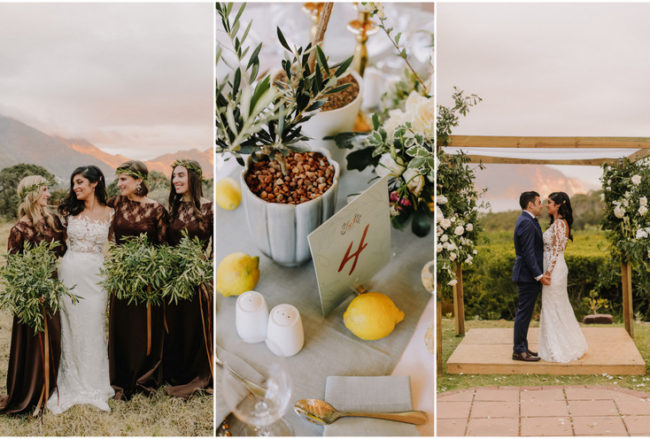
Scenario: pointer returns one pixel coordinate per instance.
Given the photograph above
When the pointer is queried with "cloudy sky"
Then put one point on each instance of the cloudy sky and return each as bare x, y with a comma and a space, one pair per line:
548, 69
134, 79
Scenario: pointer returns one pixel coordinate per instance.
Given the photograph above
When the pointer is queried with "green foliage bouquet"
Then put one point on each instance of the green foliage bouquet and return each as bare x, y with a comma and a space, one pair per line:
30, 288
626, 187
253, 114
187, 267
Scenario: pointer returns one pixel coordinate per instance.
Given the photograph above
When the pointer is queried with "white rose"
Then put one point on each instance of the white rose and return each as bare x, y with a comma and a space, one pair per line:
626, 203
627, 194
469, 227
468, 260
421, 113
475, 252
609, 181
445, 223
459, 230
393, 210
388, 166
444, 238
441, 199
641, 234
452, 256
636, 179
619, 212
454, 281
643, 210
438, 248
643, 201
414, 181
445, 246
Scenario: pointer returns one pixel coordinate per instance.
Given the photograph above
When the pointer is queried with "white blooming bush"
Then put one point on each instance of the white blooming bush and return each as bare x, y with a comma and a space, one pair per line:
457, 209
626, 188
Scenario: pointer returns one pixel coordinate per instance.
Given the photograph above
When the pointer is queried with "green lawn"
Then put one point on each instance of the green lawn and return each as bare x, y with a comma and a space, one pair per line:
450, 341
159, 415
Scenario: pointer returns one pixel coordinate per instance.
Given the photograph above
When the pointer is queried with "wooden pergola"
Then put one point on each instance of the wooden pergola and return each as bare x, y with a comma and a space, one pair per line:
641, 147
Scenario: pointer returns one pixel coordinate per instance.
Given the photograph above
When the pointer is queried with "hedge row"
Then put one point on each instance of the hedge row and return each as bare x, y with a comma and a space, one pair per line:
490, 293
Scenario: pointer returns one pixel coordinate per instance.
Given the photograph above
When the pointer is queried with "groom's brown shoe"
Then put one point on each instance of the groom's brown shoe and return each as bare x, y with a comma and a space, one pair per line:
534, 354
524, 356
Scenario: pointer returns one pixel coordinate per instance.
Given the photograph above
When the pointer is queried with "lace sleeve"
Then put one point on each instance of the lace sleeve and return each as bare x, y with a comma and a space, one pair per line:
16, 240
559, 242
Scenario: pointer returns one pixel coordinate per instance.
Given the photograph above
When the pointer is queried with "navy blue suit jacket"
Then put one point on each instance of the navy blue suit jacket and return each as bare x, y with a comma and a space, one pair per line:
529, 248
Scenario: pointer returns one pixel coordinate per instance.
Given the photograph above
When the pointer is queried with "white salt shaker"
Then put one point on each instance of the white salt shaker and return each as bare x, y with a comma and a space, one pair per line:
251, 316
284, 334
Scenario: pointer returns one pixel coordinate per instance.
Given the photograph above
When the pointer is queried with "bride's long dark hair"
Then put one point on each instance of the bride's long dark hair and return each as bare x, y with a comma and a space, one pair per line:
565, 210
73, 206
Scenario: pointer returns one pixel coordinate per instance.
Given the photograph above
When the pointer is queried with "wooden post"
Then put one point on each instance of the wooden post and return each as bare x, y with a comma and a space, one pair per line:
626, 287
459, 306
439, 333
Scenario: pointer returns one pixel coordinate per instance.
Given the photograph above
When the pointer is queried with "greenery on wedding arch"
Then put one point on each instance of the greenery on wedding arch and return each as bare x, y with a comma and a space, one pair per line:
457, 200
626, 188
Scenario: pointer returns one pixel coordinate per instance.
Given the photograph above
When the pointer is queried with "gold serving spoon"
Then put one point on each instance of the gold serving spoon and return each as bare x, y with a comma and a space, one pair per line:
323, 413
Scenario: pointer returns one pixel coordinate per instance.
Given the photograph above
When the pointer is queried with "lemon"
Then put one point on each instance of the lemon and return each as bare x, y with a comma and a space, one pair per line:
228, 193
372, 316
237, 273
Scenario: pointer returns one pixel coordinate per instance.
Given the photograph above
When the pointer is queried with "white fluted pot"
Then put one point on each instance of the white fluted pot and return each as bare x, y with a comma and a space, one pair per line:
280, 230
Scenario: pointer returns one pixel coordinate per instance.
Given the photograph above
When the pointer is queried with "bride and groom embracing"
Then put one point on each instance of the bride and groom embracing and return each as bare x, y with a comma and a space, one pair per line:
540, 266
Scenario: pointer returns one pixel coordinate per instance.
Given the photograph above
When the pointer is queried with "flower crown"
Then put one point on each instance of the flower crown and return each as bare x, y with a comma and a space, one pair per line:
187, 165
131, 172
33, 188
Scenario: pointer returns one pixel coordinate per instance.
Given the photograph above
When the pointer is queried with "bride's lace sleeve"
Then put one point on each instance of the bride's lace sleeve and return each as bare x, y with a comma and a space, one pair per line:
559, 242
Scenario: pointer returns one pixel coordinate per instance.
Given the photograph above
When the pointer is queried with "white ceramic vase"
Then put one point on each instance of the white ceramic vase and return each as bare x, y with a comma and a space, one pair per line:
329, 123
280, 230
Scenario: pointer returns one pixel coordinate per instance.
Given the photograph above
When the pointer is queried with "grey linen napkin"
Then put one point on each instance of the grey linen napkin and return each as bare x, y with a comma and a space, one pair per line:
372, 394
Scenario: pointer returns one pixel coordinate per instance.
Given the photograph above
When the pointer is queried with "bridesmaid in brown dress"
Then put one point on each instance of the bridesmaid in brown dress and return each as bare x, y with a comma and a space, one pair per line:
185, 361
25, 375
131, 369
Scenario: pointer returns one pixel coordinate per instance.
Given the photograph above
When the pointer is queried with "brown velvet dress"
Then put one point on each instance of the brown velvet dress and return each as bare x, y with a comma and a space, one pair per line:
131, 369
25, 375
185, 361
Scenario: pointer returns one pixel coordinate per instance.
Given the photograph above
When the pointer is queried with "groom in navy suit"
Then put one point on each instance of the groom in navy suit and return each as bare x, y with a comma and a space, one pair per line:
528, 271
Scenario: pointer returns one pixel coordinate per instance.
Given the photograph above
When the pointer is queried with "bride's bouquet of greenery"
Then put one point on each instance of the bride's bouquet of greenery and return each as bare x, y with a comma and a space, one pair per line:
30, 289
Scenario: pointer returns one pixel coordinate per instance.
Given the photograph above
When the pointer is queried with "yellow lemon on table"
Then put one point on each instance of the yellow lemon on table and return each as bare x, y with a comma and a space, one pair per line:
237, 273
228, 193
372, 316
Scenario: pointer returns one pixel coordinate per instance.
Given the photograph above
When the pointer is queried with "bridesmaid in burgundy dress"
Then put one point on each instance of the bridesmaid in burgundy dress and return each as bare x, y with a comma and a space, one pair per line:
25, 375
185, 361
131, 369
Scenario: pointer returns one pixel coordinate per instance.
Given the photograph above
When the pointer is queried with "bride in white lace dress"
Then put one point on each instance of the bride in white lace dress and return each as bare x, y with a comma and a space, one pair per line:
561, 339
83, 375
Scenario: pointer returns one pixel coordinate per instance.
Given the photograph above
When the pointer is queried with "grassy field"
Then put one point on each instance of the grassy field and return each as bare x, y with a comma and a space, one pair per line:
159, 415
451, 382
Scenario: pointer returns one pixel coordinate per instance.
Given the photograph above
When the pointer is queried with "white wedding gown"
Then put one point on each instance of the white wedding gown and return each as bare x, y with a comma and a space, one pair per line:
560, 337
83, 375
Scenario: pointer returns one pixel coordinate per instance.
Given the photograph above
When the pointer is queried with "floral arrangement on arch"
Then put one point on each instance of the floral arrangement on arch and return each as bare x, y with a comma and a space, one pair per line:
457, 200
626, 188
400, 144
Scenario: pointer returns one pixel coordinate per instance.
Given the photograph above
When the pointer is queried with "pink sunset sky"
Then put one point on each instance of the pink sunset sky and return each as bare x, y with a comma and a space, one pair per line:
134, 79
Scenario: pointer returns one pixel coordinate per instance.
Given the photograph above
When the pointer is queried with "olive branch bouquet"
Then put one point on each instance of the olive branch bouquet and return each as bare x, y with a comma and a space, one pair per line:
189, 268
142, 273
30, 289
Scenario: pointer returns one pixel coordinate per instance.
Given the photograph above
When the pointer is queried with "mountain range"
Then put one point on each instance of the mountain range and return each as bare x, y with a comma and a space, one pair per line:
21, 143
506, 182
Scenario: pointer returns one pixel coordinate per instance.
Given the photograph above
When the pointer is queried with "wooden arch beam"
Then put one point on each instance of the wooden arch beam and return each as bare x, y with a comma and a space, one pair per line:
519, 161
549, 142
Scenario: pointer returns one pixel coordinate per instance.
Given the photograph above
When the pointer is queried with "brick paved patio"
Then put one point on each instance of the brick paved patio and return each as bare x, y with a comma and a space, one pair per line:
544, 411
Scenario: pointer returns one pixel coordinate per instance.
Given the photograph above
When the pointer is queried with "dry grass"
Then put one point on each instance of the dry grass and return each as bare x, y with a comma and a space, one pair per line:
159, 415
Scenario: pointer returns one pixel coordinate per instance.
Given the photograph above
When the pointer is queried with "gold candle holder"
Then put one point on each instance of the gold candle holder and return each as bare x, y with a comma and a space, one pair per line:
362, 28
313, 10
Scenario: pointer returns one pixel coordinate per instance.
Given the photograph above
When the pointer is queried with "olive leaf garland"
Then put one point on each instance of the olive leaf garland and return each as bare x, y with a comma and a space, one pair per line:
142, 273
30, 289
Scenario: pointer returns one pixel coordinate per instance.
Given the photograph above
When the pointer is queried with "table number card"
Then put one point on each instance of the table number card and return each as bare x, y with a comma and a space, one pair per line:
350, 247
